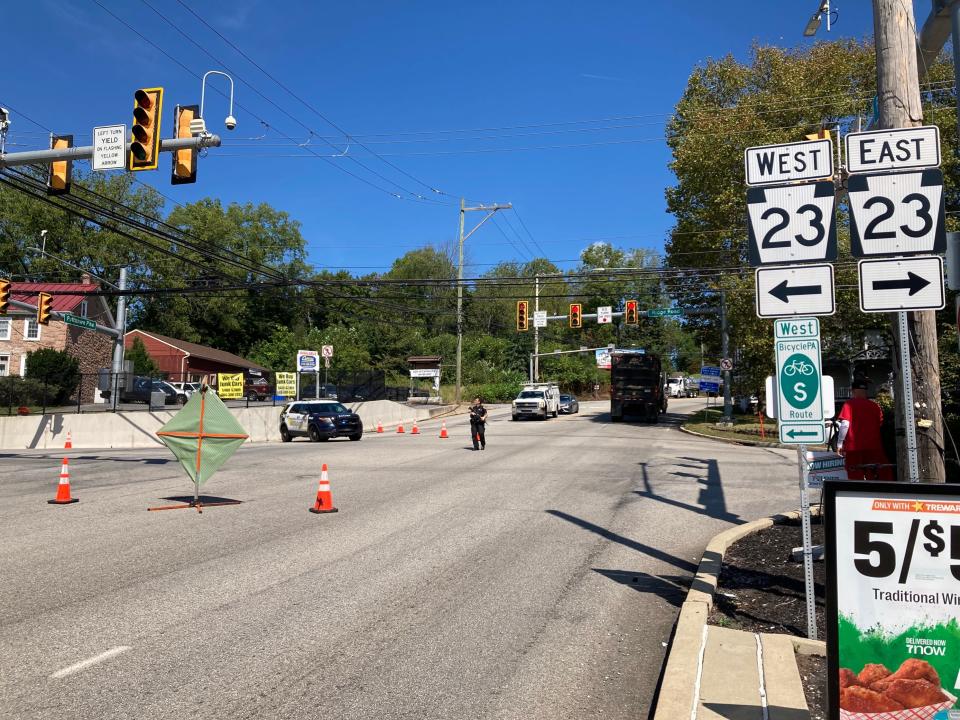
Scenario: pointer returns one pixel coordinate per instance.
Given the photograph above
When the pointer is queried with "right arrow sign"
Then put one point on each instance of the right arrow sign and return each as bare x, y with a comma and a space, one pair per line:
901, 284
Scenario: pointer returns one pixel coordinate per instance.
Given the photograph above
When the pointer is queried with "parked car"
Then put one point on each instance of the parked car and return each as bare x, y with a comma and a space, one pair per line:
257, 389
142, 387
320, 420
186, 388
569, 405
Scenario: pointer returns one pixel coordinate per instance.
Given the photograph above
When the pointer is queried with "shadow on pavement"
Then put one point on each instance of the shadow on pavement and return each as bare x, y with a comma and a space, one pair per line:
204, 499
751, 712
632, 544
711, 498
70, 454
667, 419
672, 588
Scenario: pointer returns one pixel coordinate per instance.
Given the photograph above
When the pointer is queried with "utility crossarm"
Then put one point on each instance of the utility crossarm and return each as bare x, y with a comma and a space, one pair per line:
102, 329
85, 152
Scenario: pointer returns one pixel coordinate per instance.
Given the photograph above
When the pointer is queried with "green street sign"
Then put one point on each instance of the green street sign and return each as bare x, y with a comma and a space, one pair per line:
799, 381
665, 312
80, 322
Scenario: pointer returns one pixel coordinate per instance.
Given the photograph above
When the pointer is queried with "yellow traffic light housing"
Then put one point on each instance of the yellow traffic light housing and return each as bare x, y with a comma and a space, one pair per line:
5, 289
576, 315
145, 144
184, 161
523, 321
819, 135
58, 175
631, 316
43, 308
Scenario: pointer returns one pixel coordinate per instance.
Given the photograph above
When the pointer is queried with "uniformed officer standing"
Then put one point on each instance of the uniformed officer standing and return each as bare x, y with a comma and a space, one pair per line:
478, 424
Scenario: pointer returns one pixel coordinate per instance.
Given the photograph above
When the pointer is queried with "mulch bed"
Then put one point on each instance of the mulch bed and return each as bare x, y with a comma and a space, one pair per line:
761, 590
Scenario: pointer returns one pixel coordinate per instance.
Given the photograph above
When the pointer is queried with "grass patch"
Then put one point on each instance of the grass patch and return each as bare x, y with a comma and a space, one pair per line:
744, 428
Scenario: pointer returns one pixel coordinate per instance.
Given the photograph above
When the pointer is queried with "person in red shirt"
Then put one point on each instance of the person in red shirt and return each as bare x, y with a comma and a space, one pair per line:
859, 438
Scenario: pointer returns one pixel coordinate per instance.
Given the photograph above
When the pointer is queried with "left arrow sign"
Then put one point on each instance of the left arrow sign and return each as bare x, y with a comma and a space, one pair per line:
795, 290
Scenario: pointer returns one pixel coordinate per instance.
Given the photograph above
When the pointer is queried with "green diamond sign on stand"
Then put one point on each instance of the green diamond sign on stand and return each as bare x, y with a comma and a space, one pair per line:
202, 436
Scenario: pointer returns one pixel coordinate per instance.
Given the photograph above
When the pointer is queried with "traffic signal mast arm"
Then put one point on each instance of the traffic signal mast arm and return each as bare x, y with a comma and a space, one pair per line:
85, 152
55, 314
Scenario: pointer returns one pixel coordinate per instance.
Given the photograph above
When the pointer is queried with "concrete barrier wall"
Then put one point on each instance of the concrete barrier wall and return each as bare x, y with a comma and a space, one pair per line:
138, 429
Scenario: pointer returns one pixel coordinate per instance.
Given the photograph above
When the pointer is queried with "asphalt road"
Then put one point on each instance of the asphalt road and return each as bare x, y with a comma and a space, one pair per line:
539, 578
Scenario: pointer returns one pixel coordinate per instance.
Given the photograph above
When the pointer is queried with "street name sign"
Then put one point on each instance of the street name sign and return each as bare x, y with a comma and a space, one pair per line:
80, 322
792, 223
540, 318
109, 147
795, 290
605, 315
897, 213
790, 162
901, 284
896, 149
665, 312
799, 383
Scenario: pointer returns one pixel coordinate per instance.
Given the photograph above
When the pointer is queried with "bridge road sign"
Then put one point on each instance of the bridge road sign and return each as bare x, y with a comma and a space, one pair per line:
901, 284
794, 290
799, 381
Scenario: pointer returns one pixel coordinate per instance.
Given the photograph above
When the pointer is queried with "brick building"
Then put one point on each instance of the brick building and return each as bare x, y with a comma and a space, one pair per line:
20, 334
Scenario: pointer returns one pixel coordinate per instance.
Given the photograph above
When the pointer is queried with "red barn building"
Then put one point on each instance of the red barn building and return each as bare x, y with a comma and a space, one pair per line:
182, 361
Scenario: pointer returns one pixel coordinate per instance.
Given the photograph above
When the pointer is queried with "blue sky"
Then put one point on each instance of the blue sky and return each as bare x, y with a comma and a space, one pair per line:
518, 79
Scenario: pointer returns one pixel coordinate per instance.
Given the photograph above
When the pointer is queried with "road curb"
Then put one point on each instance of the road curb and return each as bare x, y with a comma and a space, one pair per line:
733, 441
678, 691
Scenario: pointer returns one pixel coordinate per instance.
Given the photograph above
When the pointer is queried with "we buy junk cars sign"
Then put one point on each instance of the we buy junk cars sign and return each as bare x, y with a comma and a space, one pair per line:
893, 600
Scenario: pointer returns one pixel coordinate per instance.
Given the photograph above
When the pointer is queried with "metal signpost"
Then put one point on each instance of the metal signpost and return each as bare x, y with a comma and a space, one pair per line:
897, 210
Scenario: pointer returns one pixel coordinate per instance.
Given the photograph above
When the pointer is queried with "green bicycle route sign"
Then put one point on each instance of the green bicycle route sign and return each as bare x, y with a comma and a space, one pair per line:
799, 381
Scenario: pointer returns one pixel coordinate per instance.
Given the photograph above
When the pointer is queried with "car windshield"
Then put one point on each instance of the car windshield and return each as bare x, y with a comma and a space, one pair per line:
531, 394
565, 398
327, 408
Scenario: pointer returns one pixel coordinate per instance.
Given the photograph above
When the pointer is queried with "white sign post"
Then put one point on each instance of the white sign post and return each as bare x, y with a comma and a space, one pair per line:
109, 147
604, 315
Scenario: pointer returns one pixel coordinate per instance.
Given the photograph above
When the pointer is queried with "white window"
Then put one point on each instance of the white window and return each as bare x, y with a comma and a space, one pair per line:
31, 330
83, 308
4, 365
5, 325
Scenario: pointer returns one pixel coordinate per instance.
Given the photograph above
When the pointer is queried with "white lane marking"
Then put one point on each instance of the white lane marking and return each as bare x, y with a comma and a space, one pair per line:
83, 664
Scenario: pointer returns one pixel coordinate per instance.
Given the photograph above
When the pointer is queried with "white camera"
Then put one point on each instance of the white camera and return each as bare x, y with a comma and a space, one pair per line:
230, 122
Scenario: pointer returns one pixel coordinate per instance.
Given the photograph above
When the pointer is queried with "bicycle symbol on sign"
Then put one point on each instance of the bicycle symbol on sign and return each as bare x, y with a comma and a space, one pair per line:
798, 367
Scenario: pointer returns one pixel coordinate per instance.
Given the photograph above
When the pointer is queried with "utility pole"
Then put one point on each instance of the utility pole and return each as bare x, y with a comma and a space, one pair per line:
490, 210
118, 343
920, 438
536, 329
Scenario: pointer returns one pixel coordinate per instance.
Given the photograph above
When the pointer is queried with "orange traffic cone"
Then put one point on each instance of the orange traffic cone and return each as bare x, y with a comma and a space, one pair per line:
443, 431
379, 426
415, 430
324, 502
400, 428
68, 445
63, 489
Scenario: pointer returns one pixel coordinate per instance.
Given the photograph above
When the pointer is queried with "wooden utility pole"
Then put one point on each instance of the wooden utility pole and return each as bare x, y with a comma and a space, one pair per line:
898, 93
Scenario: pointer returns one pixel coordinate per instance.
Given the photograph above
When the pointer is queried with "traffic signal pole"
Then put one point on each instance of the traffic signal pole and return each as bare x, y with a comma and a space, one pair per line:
85, 152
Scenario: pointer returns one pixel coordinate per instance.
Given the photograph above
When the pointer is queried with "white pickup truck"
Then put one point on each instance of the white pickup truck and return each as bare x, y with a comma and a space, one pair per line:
540, 400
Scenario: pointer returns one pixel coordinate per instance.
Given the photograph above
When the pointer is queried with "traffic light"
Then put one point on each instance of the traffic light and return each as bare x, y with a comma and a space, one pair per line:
4, 295
819, 135
576, 315
523, 321
58, 176
43, 308
630, 314
184, 161
145, 145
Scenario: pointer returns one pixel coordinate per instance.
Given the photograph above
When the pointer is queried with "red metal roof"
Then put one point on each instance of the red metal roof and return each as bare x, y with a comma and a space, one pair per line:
200, 351
66, 296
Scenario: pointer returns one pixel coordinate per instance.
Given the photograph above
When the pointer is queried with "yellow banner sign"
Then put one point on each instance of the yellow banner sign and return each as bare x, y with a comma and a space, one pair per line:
230, 387
286, 384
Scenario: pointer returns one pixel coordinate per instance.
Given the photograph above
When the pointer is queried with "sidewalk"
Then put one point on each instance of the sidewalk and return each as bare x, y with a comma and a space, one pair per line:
714, 672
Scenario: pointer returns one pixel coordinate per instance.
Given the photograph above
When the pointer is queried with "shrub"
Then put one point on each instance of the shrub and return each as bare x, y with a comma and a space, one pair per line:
58, 369
17, 391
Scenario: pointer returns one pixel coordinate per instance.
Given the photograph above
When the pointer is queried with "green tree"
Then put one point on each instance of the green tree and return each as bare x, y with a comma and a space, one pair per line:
59, 370
143, 364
